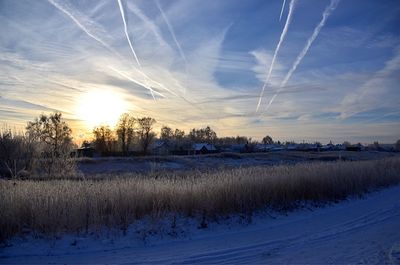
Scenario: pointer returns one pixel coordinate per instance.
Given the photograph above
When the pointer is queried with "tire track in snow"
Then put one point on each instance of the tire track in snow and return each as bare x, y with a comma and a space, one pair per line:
352, 231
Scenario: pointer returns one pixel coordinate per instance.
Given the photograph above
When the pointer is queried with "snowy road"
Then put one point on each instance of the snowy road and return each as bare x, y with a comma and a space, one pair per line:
365, 231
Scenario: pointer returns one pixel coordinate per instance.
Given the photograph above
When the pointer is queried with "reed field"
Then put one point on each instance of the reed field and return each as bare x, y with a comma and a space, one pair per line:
46, 206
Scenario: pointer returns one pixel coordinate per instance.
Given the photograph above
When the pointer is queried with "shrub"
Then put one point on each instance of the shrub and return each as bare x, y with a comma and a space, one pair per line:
17, 154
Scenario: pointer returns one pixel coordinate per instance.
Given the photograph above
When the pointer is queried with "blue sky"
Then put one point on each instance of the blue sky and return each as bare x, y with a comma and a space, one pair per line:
204, 63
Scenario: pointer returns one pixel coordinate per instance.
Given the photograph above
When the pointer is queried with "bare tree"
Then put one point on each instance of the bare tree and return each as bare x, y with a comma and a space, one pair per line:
210, 134
126, 131
267, 140
376, 146
166, 134
179, 134
52, 131
17, 154
145, 132
103, 139
346, 144
203, 135
54, 137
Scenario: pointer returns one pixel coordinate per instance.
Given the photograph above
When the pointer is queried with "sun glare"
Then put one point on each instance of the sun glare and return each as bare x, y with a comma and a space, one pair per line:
101, 107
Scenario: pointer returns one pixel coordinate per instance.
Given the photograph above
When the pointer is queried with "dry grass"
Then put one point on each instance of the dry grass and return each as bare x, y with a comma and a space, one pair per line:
54, 206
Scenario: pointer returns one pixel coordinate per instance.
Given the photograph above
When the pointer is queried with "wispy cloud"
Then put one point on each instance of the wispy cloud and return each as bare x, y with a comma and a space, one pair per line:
264, 58
171, 31
74, 15
53, 52
136, 82
379, 91
147, 23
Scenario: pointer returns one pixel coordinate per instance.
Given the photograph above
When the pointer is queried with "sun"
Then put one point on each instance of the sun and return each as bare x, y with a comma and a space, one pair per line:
101, 107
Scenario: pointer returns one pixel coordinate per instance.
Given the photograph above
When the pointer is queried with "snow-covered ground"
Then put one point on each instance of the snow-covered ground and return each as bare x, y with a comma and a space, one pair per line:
118, 165
365, 231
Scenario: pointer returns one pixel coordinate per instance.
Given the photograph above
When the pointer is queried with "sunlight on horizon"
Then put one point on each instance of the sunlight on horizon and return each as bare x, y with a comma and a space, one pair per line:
100, 107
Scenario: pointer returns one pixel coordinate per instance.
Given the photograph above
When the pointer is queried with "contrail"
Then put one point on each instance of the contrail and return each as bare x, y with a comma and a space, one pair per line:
136, 82
283, 34
126, 32
283, 7
79, 24
133, 51
88, 29
70, 14
171, 31
138, 12
327, 12
170, 91
152, 91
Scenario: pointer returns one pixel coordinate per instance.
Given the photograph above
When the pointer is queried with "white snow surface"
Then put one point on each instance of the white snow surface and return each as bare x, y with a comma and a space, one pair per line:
360, 230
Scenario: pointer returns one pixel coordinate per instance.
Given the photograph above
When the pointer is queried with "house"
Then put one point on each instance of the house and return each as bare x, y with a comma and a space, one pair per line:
340, 147
278, 148
310, 147
203, 148
86, 151
262, 147
356, 147
328, 147
302, 147
267, 147
237, 148
292, 147
161, 148
388, 147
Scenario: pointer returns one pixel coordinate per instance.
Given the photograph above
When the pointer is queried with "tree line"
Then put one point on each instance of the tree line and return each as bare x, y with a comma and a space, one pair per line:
45, 148
129, 131
138, 134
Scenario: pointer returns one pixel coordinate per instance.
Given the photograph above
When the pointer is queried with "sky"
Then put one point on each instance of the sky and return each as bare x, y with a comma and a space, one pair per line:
313, 70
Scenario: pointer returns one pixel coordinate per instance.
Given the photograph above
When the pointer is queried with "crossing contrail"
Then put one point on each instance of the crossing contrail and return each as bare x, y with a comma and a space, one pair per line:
65, 10
136, 82
133, 50
146, 77
126, 32
327, 12
283, 7
88, 29
171, 31
149, 24
282, 37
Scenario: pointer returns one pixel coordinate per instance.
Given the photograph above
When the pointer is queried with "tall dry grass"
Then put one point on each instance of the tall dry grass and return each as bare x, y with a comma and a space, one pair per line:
54, 206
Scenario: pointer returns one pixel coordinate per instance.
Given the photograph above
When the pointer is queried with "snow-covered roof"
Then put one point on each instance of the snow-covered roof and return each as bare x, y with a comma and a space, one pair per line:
266, 146
159, 144
199, 146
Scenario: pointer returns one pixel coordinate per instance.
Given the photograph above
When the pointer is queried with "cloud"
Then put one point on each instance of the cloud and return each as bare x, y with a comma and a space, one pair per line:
172, 31
50, 58
204, 60
92, 29
381, 90
148, 23
264, 58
